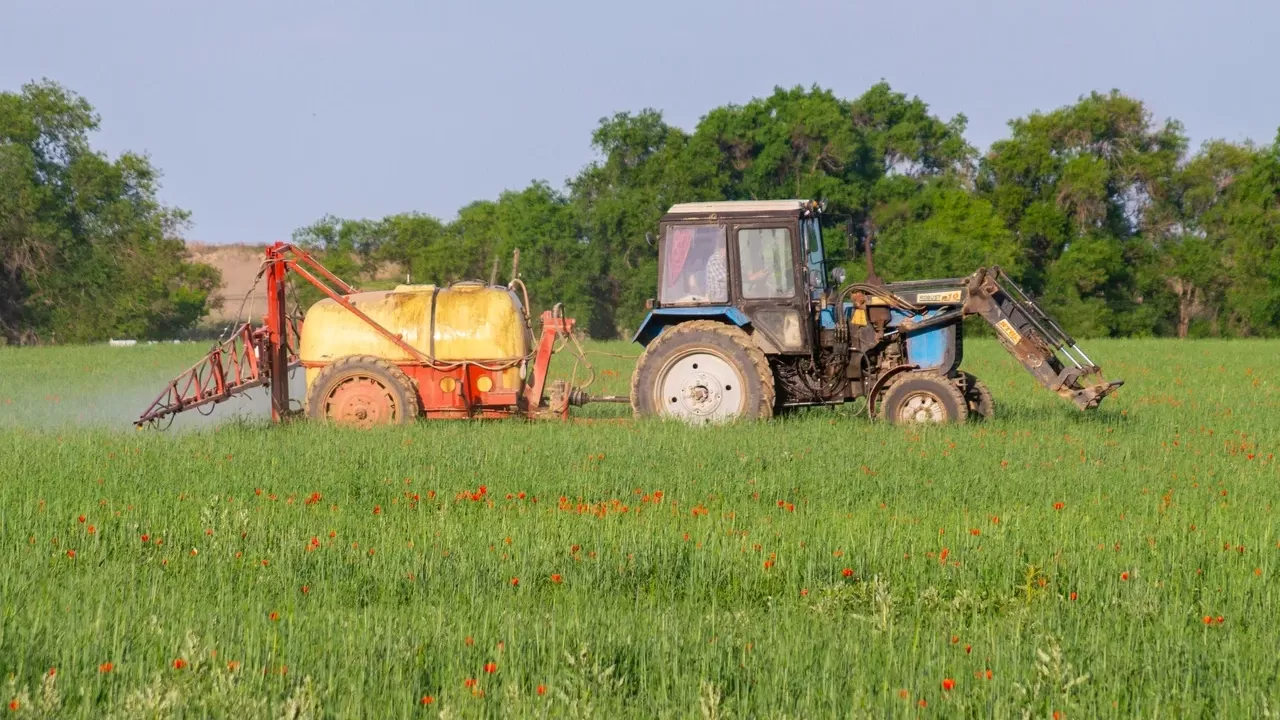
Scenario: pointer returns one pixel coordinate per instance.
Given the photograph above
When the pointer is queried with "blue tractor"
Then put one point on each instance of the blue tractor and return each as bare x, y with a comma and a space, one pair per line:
748, 320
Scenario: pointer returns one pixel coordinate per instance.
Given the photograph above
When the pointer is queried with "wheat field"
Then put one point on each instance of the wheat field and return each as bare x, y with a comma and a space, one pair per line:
1047, 563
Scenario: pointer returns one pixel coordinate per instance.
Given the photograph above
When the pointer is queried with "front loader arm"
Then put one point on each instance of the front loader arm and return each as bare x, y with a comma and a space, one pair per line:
1035, 339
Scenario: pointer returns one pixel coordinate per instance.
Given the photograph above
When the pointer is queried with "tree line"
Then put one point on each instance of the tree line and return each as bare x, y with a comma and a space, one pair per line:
1100, 210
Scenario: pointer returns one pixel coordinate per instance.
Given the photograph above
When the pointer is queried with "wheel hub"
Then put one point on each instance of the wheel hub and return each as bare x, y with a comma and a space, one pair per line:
701, 387
361, 401
922, 407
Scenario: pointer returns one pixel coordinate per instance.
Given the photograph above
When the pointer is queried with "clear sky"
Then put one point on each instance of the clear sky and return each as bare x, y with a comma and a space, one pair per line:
266, 114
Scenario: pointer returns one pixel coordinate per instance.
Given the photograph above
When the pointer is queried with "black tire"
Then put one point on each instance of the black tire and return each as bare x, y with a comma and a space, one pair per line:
395, 398
751, 385
978, 397
923, 397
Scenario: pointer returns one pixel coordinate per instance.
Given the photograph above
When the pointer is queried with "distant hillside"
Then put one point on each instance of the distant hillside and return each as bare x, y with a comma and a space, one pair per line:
239, 266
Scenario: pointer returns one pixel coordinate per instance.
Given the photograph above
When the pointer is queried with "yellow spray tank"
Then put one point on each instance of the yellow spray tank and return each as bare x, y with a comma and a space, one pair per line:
461, 322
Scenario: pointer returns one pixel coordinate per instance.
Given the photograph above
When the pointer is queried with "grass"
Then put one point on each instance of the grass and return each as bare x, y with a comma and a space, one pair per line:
814, 565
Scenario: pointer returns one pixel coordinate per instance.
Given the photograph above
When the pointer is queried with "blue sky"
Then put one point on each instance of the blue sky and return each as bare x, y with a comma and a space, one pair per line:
266, 115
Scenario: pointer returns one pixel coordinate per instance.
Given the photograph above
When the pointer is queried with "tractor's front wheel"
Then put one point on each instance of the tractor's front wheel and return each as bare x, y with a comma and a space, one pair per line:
363, 391
978, 397
703, 372
923, 398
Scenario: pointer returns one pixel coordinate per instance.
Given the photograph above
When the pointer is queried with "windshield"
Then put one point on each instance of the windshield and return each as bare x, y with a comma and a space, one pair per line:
694, 269
811, 234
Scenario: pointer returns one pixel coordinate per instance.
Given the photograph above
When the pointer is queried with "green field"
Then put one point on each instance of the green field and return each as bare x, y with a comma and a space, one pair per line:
1121, 563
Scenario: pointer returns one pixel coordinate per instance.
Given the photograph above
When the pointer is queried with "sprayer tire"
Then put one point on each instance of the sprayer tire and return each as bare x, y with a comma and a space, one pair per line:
381, 380
978, 397
727, 344
921, 398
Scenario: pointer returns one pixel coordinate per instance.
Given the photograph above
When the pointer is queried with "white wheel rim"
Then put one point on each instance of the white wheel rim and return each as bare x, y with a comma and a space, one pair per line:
701, 388
922, 407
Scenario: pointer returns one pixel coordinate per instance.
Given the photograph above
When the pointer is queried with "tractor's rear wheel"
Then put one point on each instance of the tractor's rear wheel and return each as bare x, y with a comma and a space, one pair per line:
363, 391
923, 398
703, 372
978, 397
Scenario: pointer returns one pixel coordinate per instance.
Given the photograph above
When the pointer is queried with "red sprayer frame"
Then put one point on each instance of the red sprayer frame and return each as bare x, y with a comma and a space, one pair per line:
265, 355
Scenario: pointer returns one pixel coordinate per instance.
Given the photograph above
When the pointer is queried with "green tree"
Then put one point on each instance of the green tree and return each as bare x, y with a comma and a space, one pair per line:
646, 166
945, 231
1078, 186
86, 248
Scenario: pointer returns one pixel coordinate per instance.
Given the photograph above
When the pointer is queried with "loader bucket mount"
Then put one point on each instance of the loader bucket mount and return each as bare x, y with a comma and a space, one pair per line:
1035, 339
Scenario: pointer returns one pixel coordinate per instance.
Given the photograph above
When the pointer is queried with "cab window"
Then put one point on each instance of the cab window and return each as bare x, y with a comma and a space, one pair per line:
768, 270
694, 268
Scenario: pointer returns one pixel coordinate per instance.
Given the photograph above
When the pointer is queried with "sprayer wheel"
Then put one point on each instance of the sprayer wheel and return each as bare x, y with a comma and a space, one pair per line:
363, 391
923, 398
976, 394
702, 372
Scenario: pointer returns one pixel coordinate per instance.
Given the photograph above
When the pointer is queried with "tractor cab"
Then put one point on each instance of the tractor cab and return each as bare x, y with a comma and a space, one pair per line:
757, 263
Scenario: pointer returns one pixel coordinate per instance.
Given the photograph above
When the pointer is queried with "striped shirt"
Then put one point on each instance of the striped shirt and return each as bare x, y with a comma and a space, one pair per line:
717, 278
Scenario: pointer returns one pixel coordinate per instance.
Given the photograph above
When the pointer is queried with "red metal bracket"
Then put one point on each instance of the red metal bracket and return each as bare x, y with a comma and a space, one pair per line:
553, 326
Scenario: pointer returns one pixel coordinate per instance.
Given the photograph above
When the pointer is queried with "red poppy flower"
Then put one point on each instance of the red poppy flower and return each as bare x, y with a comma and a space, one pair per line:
948, 684
1221, 620
847, 572
1073, 595
804, 592
377, 509
1124, 575
106, 667
274, 616
904, 694
427, 700
556, 578
1208, 619
1059, 505
179, 664
81, 518
542, 689
71, 554
515, 581
469, 682
491, 667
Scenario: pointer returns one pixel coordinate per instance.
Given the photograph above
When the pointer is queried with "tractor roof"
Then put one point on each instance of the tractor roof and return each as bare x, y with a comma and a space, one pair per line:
737, 206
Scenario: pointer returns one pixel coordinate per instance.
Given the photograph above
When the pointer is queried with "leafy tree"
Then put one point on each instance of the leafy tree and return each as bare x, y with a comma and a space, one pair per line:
646, 167
86, 248
945, 231
1077, 186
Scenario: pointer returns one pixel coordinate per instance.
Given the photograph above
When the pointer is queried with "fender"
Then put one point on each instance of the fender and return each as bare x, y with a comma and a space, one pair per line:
660, 318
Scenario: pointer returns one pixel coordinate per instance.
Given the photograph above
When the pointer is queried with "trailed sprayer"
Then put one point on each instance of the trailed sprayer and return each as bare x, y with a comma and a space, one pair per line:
464, 350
